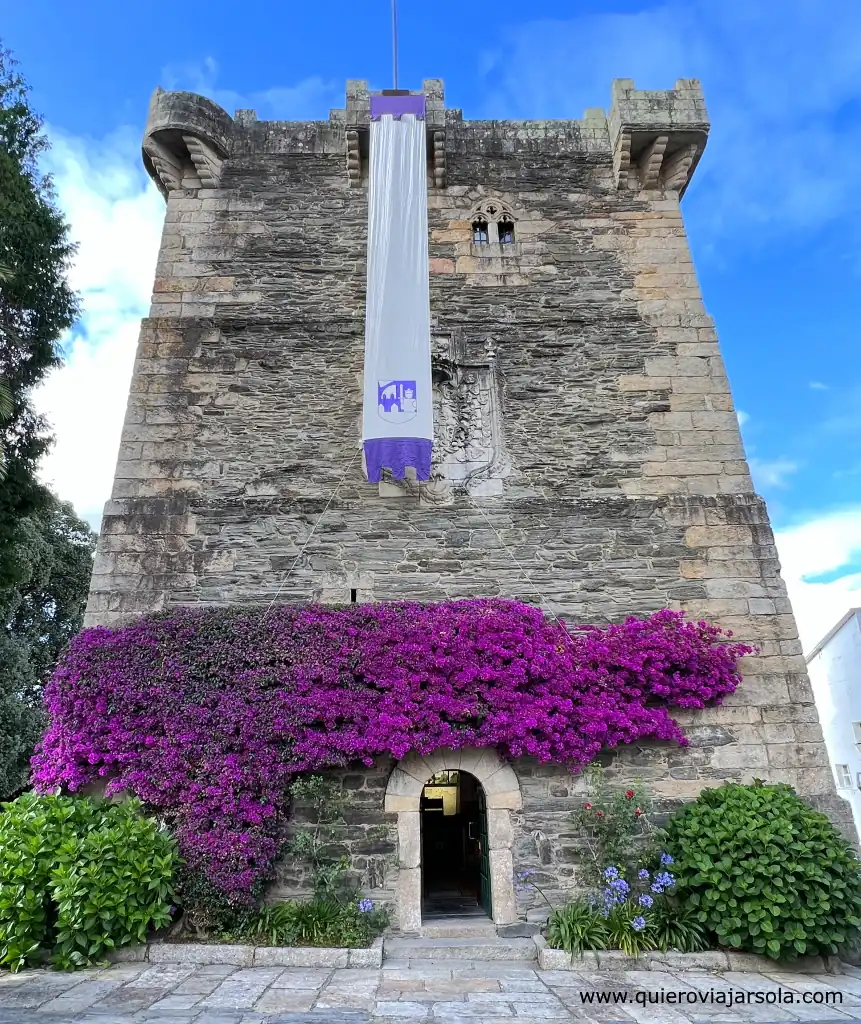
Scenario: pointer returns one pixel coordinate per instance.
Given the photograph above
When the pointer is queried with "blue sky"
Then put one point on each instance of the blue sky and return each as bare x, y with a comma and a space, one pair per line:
774, 213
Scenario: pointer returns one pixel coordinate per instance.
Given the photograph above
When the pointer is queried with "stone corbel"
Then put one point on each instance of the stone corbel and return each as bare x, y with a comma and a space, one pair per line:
622, 160
438, 144
649, 167
677, 168
354, 158
206, 161
167, 166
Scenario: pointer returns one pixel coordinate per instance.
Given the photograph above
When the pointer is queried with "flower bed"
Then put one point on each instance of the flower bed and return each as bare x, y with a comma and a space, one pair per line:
208, 714
754, 872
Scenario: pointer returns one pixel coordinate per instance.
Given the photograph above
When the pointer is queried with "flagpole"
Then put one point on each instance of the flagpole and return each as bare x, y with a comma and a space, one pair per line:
395, 42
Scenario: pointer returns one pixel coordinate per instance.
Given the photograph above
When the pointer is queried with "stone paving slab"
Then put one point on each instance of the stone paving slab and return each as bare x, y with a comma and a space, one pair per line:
432, 992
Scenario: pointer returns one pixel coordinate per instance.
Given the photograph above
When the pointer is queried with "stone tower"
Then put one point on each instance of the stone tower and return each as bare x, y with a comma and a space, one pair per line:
587, 455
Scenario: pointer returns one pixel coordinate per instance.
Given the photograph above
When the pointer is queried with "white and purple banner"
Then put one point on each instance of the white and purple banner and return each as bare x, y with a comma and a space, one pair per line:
397, 425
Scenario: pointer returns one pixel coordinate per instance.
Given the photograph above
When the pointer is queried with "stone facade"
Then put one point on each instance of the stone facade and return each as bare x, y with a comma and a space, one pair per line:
587, 458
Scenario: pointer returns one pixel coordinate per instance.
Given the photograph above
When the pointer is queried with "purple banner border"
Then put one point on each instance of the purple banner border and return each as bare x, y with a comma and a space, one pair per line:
396, 453
397, 106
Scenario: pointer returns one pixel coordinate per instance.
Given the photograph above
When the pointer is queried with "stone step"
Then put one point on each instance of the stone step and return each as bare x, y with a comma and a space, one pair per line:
477, 948
458, 928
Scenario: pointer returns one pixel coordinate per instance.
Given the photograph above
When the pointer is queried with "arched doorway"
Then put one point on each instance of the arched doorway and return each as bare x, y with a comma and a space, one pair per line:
501, 792
455, 856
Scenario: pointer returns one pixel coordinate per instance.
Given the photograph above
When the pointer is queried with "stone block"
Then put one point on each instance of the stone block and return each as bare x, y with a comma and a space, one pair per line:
500, 833
502, 886
370, 957
200, 953
409, 839
708, 960
409, 894
797, 755
128, 955
735, 755
299, 956
554, 960
509, 799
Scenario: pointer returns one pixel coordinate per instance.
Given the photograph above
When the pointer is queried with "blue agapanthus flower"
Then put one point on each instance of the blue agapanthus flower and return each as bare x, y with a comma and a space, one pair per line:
642, 873
665, 879
620, 887
366, 905
645, 900
666, 859
610, 873
638, 923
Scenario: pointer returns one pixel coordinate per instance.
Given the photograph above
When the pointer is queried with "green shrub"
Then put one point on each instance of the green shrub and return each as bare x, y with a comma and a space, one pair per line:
79, 877
577, 927
766, 873
317, 922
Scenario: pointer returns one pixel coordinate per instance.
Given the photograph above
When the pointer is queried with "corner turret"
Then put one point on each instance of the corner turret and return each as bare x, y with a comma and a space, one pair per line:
186, 140
657, 138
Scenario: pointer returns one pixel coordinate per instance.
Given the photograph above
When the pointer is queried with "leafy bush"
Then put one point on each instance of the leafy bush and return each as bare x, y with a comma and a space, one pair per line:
79, 877
317, 922
765, 872
209, 713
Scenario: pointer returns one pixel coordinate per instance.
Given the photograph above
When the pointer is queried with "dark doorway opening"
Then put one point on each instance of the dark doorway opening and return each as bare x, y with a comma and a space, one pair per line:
455, 862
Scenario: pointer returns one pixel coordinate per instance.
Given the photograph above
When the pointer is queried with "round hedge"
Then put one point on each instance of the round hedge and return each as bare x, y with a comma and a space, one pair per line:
766, 873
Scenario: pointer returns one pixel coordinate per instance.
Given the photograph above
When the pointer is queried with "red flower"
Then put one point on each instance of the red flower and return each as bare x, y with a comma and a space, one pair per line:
599, 814
629, 794
638, 812
587, 807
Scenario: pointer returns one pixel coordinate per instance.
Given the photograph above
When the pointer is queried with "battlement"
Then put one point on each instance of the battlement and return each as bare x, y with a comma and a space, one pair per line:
653, 139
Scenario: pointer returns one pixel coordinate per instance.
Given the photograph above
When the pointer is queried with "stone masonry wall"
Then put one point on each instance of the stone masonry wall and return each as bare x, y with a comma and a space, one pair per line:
623, 485
367, 837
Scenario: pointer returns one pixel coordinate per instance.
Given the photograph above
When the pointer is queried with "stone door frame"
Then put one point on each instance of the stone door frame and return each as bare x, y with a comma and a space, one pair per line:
403, 797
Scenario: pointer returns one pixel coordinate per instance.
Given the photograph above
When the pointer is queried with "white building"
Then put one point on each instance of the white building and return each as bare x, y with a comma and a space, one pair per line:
834, 666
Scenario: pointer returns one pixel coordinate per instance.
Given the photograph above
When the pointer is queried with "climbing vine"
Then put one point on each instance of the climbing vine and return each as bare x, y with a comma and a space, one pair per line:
209, 714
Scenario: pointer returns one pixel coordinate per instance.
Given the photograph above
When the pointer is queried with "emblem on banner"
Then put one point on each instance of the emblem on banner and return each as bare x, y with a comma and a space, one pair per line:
396, 400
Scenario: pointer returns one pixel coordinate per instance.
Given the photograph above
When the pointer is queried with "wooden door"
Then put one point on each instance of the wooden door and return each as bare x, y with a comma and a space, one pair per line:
484, 897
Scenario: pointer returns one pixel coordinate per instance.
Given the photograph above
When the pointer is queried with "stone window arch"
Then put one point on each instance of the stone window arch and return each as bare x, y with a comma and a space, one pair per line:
502, 795
498, 214
480, 231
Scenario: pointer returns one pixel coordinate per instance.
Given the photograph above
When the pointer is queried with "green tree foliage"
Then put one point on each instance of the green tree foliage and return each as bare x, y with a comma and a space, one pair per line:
53, 557
36, 305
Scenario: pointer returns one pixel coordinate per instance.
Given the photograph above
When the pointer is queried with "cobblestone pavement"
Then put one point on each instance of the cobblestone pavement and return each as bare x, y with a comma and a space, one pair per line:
440, 991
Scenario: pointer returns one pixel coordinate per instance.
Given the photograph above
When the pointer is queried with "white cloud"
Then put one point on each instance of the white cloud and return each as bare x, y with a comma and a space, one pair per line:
825, 545
742, 417
116, 215
776, 110
312, 98
817, 385
773, 473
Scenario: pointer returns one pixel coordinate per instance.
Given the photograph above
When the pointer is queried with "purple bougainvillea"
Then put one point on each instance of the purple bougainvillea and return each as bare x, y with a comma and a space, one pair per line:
209, 713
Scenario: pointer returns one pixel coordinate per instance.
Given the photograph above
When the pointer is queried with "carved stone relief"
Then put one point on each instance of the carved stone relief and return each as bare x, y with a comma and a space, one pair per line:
468, 449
